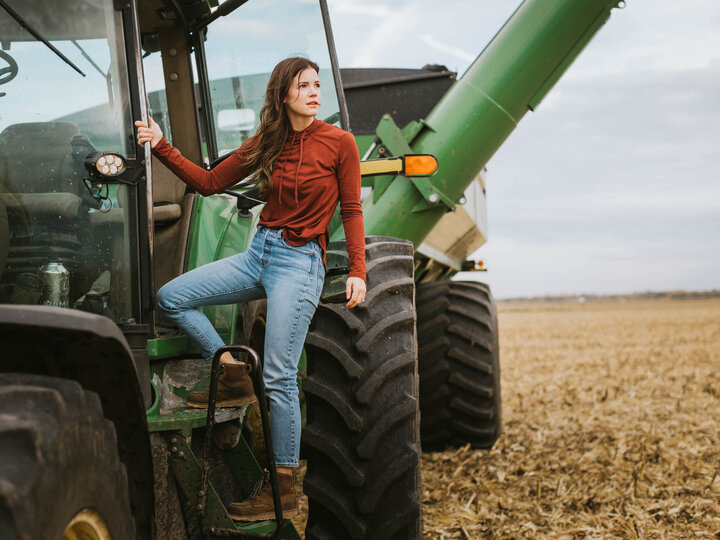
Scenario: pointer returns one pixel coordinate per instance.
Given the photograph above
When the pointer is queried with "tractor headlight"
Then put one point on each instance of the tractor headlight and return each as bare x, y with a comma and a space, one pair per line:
104, 164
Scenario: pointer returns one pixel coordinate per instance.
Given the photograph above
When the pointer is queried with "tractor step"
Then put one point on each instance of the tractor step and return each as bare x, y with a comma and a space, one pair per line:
245, 531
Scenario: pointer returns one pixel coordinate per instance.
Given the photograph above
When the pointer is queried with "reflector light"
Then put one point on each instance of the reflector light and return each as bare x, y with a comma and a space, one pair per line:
407, 165
420, 165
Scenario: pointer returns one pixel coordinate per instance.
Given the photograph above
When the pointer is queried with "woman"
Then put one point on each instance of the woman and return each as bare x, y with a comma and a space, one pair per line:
303, 166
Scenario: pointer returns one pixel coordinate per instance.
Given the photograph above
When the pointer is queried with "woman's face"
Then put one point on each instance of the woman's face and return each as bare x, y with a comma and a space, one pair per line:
303, 97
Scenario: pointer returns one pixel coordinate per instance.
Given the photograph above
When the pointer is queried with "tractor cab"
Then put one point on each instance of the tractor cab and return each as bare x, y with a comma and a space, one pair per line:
89, 220
60, 101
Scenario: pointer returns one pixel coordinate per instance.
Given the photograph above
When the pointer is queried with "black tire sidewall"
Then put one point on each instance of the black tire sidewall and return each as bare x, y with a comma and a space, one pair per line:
84, 452
68, 461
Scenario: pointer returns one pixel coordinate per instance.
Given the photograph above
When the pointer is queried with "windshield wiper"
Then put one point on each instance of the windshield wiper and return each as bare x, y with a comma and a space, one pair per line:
37, 35
87, 57
107, 76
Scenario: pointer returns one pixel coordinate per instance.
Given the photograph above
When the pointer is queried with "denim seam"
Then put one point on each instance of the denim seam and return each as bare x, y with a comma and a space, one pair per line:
288, 245
202, 336
296, 321
293, 436
232, 291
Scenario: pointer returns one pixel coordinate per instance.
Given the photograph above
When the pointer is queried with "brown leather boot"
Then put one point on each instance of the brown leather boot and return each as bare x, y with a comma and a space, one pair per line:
259, 506
235, 388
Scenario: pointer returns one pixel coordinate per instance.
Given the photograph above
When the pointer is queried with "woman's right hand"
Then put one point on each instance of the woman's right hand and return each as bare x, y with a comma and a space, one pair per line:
153, 133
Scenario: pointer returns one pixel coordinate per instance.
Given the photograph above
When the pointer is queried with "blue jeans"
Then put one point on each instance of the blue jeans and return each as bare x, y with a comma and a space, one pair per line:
291, 277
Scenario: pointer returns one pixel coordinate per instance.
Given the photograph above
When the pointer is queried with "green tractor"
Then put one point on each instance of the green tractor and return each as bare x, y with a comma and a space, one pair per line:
96, 440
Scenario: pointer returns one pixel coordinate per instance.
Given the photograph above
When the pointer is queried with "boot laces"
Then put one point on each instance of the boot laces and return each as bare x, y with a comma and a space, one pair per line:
261, 484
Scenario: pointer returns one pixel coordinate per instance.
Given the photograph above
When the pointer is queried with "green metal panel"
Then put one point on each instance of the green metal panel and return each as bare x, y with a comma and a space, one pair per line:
364, 142
244, 466
217, 232
184, 421
165, 347
188, 476
468, 125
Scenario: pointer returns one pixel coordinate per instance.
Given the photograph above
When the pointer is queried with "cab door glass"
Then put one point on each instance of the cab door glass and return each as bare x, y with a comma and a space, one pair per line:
60, 245
156, 93
242, 49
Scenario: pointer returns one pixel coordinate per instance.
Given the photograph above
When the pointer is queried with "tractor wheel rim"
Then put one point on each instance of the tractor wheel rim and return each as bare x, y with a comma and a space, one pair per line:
86, 525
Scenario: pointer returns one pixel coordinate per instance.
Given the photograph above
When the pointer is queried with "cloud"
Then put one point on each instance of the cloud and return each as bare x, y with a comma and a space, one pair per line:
612, 185
442, 47
657, 35
387, 34
366, 9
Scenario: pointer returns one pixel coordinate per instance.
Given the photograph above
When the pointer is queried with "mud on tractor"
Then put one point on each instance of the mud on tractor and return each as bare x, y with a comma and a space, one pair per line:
96, 440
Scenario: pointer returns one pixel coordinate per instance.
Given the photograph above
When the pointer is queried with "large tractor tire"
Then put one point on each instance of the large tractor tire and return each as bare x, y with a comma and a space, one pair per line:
459, 365
60, 474
361, 440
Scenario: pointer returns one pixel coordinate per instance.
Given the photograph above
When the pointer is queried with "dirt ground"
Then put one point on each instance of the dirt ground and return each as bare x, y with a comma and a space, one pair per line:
610, 415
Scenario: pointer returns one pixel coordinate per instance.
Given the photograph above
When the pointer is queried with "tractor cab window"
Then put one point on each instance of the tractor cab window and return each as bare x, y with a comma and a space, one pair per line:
241, 50
156, 92
59, 245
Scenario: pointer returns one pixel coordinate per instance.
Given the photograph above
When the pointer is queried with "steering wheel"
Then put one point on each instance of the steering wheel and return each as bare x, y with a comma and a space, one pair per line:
9, 72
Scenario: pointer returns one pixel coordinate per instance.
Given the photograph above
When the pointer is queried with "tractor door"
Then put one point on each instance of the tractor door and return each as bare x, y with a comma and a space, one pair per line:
205, 72
63, 240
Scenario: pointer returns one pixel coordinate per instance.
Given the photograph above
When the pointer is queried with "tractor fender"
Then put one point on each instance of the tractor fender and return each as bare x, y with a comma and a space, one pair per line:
91, 350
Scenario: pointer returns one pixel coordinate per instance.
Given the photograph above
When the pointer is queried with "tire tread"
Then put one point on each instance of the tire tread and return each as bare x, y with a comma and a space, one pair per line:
458, 364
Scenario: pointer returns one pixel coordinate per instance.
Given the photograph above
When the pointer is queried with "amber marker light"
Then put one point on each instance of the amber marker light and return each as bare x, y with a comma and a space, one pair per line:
420, 165
407, 165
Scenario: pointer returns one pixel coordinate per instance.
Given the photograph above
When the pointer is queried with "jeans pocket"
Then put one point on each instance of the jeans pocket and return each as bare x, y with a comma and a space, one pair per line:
306, 249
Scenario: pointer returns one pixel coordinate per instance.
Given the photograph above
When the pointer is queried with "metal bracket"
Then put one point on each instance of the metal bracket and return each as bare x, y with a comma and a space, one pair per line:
201, 501
204, 512
432, 196
395, 141
281, 526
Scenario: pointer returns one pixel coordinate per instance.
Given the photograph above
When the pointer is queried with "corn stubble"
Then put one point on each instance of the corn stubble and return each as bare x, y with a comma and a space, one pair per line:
610, 418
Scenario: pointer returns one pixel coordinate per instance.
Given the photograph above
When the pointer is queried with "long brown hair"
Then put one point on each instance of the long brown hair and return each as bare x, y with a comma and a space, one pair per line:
274, 123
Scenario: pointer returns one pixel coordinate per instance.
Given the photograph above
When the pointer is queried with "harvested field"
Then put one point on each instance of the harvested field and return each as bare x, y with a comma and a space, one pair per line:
610, 428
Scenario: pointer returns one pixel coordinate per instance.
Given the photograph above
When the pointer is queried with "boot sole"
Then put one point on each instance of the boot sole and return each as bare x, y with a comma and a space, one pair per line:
238, 402
265, 516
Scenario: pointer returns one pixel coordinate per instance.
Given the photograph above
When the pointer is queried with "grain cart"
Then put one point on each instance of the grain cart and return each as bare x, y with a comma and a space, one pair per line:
95, 437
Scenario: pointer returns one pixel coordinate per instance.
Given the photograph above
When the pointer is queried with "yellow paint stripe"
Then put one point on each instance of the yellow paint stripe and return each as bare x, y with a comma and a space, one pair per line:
381, 166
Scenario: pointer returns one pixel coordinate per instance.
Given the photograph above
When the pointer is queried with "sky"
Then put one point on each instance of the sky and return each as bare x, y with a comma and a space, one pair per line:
613, 184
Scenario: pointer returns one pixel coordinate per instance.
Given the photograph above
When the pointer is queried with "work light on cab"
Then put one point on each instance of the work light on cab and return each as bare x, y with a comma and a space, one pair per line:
104, 164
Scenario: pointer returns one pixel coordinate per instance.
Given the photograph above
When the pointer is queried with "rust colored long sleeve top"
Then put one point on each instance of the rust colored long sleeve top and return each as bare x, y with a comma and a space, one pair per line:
317, 167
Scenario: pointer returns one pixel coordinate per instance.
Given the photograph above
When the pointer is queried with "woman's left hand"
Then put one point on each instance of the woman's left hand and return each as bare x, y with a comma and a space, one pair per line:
355, 291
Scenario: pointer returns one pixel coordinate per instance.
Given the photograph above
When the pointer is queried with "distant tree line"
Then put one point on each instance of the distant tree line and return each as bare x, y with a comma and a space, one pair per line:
648, 295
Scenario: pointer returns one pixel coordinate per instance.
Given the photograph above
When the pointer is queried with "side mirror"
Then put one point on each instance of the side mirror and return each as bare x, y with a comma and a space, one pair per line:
411, 165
